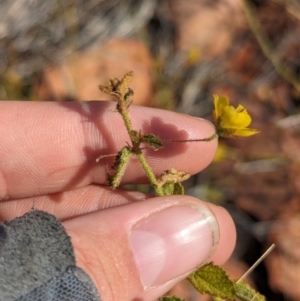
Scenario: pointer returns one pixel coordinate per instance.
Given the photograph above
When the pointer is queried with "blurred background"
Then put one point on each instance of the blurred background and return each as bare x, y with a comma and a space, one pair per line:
182, 52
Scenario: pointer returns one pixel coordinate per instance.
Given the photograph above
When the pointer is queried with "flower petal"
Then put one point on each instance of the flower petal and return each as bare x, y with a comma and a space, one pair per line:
220, 102
231, 121
232, 118
237, 132
245, 132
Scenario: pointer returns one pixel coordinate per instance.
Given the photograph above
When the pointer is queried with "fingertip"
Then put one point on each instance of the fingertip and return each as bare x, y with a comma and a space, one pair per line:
227, 235
158, 242
153, 244
202, 152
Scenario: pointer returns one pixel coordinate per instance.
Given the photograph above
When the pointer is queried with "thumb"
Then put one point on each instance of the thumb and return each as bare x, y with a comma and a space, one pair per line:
140, 250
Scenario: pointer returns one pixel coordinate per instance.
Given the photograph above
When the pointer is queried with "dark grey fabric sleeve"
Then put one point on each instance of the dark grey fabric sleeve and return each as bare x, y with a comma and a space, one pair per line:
37, 262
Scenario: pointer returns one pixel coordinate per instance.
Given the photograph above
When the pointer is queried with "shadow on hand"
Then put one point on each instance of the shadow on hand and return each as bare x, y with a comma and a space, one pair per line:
166, 132
93, 114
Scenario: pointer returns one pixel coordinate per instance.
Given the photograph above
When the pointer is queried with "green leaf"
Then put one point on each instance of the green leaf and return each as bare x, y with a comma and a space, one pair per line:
246, 293
169, 298
152, 141
168, 188
211, 279
173, 189
178, 189
120, 166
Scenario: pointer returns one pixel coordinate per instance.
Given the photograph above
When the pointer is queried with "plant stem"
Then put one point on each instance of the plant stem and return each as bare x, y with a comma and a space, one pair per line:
212, 137
150, 174
123, 111
153, 181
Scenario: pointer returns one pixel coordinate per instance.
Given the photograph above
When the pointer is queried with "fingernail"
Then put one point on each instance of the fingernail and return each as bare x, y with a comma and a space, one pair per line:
173, 242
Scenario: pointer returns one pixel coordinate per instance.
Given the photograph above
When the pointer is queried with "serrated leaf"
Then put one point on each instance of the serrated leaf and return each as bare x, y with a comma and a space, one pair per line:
124, 83
169, 298
152, 141
120, 166
211, 279
104, 89
246, 293
172, 176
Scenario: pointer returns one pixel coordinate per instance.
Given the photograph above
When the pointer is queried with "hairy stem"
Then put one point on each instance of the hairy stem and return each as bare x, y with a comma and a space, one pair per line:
124, 112
153, 181
150, 174
212, 137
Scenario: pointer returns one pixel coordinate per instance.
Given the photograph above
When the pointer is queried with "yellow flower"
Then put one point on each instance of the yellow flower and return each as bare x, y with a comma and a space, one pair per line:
230, 121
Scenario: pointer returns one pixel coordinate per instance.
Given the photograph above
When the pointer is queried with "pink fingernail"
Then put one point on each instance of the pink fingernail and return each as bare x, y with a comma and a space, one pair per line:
173, 242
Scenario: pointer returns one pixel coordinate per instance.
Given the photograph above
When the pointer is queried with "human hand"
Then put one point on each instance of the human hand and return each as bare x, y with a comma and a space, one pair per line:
136, 251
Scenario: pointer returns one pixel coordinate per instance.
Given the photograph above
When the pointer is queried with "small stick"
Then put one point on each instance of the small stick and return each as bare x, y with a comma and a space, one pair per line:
257, 262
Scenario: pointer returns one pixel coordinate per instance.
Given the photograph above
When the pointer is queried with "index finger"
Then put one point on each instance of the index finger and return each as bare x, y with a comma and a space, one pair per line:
48, 147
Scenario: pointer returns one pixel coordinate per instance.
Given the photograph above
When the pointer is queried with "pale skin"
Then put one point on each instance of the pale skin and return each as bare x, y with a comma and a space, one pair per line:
48, 157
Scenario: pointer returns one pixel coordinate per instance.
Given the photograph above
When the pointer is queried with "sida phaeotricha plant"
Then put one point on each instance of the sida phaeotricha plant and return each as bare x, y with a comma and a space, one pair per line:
229, 122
